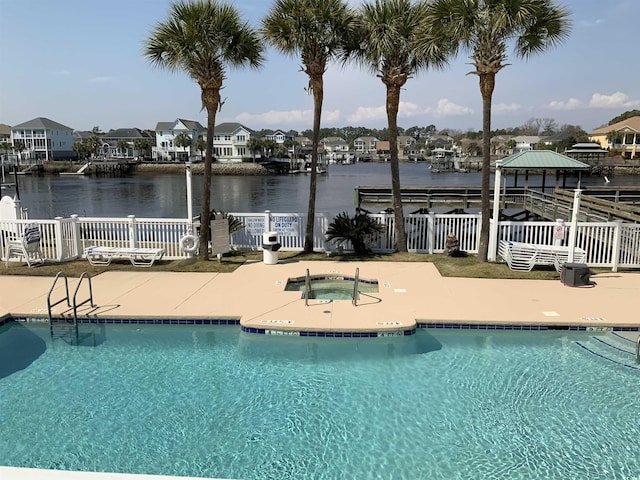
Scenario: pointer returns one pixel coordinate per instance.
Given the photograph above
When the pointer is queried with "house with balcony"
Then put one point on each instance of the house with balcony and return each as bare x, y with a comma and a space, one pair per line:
280, 137
623, 136
43, 140
365, 147
230, 142
336, 149
166, 149
303, 147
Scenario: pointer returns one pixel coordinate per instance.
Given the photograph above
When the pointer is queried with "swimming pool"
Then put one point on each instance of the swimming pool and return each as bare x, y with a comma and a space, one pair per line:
331, 287
211, 401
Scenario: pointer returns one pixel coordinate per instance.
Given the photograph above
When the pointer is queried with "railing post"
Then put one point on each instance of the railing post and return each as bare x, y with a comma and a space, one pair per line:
133, 232
76, 236
617, 245
59, 239
495, 221
431, 232
573, 231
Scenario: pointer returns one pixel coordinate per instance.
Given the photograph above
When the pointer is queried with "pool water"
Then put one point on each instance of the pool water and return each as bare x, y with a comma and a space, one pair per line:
331, 288
211, 401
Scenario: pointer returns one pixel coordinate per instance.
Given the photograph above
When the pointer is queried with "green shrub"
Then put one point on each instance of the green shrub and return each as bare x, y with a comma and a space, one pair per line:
356, 230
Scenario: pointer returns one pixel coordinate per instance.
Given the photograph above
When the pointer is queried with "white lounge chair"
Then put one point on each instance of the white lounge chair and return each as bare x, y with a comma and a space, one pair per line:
27, 247
139, 257
524, 256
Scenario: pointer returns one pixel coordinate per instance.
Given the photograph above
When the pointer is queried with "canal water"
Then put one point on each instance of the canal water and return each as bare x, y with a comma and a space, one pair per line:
164, 195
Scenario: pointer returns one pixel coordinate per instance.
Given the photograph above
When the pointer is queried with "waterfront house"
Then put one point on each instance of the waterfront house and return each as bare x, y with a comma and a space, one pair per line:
501, 145
336, 149
230, 142
113, 142
166, 149
280, 137
365, 147
5, 133
441, 141
623, 136
303, 147
525, 143
43, 139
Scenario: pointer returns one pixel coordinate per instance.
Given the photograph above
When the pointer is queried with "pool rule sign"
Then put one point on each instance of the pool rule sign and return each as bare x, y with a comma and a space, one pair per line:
286, 226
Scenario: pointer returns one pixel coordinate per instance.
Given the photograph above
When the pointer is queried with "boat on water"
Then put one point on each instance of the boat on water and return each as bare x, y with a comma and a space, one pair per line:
444, 160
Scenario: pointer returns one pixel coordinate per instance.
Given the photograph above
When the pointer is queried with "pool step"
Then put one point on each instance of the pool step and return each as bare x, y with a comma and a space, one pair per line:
67, 329
611, 348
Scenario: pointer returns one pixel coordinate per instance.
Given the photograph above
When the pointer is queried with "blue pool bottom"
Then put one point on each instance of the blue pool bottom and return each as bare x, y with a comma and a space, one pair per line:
216, 402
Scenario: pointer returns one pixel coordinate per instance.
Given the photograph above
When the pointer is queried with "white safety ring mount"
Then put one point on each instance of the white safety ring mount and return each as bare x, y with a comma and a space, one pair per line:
189, 243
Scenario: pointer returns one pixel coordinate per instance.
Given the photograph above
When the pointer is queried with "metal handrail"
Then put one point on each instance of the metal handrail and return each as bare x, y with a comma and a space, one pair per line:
66, 288
307, 289
356, 281
638, 349
75, 294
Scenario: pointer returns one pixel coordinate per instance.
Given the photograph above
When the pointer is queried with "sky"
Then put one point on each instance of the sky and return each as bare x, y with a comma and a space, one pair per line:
81, 63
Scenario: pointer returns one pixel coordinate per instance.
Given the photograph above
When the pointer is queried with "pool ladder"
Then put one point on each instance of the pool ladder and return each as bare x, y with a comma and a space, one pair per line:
638, 349
354, 295
356, 281
65, 326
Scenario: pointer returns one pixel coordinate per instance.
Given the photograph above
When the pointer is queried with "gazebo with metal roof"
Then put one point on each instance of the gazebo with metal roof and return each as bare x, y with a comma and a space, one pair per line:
541, 161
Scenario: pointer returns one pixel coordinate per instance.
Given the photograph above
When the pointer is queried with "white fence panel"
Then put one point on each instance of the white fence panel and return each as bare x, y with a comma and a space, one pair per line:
597, 239
629, 246
132, 233
608, 244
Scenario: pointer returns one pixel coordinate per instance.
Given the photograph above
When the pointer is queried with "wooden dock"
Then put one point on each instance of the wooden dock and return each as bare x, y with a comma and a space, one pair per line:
597, 203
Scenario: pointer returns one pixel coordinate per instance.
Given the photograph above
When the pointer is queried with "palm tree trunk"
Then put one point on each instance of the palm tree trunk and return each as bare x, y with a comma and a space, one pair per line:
393, 102
211, 101
487, 84
317, 87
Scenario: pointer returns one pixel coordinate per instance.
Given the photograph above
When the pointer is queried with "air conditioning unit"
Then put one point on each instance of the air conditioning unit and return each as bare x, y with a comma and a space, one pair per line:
576, 275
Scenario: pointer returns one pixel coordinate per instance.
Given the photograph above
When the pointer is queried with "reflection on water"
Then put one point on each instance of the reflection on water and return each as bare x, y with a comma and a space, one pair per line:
164, 195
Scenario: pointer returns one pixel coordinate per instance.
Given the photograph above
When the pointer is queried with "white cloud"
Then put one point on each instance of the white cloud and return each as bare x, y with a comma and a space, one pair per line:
362, 114
591, 23
615, 100
443, 108
447, 108
100, 79
62, 72
505, 107
285, 118
570, 104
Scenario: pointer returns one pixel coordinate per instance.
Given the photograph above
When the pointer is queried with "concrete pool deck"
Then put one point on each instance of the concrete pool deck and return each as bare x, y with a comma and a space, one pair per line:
408, 293
254, 293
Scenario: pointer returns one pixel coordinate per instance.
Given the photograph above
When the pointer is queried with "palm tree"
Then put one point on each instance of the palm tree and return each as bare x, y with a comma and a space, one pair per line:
201, 145
202, 38
141, 145
93, 143
315, 30
80, 149
484, 28
254, 145
385, 44
183, 140
19, 146
123, 146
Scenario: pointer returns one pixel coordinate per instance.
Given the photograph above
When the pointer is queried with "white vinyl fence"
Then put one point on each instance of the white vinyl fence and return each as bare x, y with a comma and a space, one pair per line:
608, 244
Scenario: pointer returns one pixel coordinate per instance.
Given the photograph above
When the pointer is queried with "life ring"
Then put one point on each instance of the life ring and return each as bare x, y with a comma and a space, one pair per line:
189, 243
